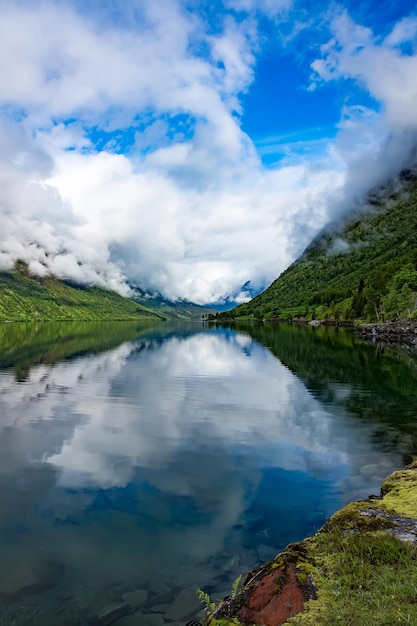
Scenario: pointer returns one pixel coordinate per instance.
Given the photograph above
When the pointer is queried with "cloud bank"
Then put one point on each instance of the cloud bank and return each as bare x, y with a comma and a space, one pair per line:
123, 158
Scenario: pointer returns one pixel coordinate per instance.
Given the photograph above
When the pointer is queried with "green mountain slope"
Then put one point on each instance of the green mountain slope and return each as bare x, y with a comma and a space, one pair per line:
27, 298
180, 310
363, 268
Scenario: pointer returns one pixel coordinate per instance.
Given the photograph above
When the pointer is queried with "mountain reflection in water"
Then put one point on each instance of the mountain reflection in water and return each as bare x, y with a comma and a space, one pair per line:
169, 458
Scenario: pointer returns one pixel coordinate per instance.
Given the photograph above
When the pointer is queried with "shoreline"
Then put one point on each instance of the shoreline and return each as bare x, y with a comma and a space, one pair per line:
398, 334
395, 334
359, 568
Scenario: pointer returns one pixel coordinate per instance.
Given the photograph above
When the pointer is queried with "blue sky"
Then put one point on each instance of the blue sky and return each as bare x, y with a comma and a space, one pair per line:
189, 147
281, 105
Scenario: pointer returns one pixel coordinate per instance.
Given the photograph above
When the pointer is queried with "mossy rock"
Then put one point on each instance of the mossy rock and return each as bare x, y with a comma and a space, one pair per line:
362, 564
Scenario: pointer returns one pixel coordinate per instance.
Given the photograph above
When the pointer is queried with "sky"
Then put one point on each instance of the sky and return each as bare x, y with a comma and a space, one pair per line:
194, 148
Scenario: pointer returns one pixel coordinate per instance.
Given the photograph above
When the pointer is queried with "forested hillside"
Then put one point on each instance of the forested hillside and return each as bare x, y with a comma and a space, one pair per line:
180, 310
26, 298
362, 268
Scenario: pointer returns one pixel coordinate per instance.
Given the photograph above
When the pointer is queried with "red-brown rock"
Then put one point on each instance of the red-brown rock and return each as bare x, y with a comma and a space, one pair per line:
274, 599
271, 595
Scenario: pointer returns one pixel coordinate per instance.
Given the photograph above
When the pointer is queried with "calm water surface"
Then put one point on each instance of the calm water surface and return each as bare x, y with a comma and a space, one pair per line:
167, 458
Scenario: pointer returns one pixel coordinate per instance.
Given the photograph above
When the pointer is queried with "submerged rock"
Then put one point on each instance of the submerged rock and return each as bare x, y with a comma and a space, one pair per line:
249, 558
252, 520
161, 593
185, 605
136, 599
141, 619
18, 578
112, 612
368, 470
22, 579
159, 608
232, 564
265, 553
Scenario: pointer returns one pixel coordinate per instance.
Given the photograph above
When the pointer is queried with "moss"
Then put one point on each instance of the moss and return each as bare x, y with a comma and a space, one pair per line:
363, 578
293, 553
362, 573
350, 519
399, 492
303, 572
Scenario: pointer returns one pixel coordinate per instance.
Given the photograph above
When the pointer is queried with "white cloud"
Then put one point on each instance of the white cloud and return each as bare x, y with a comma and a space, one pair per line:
201, 245
404, 31
291, 418
177, 200
387, 73
373, 144
100, 437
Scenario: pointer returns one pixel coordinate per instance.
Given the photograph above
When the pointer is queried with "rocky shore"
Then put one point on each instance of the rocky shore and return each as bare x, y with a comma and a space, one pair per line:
401, 334
360, 568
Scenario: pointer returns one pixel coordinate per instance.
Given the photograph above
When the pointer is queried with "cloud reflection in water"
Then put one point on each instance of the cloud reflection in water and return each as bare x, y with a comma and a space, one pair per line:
156, 453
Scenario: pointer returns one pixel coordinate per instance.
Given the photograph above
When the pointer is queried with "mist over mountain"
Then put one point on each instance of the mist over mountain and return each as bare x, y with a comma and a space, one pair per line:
363, 266
190, 149
25, 297
180, 309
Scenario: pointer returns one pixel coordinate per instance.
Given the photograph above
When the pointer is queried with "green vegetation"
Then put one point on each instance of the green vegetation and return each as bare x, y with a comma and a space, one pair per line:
24, 297
400, 493
365, 578
336, 355
206, 600
27, 298
364, 573
25, 344
180, 310
236, 585
364, 268
209, 606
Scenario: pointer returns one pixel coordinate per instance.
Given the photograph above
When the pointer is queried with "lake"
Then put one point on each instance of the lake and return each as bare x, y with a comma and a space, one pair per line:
139, 463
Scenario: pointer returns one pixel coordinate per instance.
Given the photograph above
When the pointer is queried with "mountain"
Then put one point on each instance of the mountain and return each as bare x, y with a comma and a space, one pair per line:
363, 267
230, 302
24, 297
180, 310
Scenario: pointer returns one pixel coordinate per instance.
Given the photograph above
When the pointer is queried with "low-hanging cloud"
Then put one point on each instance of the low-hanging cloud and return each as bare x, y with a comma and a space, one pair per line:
373, 145
122, 158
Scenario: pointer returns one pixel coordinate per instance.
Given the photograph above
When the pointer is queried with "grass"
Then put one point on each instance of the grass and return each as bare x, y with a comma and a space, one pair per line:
26, 298
363, 572
363, 578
